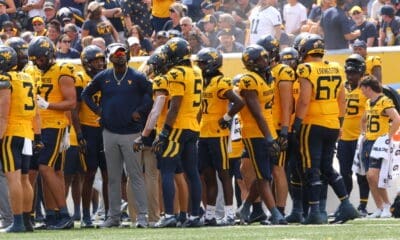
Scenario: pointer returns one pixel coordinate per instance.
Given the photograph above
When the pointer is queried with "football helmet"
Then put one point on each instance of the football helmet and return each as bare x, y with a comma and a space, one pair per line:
289, 56
298, 39
255, 58
270, 44
21, 48
355, 63
8, 58
176, 50
41, 47
90, 53
209, 60
311, 44
157, 62
172, 33
64, 13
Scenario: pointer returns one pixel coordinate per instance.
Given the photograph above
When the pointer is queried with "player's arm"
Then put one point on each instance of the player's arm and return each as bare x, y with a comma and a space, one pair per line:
342, 102
285, 93
160, 99
364, 123
304, 98
251, 99
5, 103
67, 89
175, 105
377, 72
395, 120
237, 102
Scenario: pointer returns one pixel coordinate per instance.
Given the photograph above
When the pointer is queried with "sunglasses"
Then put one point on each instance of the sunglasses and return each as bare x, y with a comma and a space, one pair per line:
119, 54
66, 41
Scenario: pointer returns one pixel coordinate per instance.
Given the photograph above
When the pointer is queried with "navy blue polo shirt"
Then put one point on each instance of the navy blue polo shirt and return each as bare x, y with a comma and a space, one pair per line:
335, 24
118, 102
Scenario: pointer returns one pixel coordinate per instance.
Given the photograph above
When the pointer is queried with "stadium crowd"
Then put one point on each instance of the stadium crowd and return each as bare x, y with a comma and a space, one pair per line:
151, 144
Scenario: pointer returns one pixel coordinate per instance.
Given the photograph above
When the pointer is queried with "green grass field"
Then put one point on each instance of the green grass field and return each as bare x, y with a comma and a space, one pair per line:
358, 229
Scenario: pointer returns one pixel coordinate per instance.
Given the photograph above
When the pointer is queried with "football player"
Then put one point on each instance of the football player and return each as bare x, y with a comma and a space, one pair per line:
175, 145
55, 96
259, 136
319, 115
351, 130
216, 120
17, 111
373, 64
380, 118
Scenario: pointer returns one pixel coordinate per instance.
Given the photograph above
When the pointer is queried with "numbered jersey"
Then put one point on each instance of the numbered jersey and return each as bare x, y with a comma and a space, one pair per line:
377, 120
186, 82
327, 79
35, 74
22, 108
214, 106
160, 83
265, 93
281, 73
371, 62
50, 91
87, 116
355, 108
263, 21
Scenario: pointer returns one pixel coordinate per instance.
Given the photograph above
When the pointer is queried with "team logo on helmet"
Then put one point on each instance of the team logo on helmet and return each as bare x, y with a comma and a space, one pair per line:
6, 55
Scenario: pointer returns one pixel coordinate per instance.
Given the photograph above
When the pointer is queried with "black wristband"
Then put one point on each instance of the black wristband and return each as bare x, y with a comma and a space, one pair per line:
297, 123
79, 135
37, 137
284, 131
166, 130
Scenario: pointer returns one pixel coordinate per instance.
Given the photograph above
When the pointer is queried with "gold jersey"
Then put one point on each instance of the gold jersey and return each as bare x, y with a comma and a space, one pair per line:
280, 72
214, 106
327, 79
160, 8
186, 82
50, 91
371, 62
377, 120
22, 108
160, 83
355, 108
265, 92
35, 74
87, 116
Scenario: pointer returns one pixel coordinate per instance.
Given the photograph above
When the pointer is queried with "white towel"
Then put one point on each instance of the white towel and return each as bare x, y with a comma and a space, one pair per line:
27, 149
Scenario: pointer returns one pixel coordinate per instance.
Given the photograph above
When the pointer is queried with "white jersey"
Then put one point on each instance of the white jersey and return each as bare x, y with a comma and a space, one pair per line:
263, 21
294, 17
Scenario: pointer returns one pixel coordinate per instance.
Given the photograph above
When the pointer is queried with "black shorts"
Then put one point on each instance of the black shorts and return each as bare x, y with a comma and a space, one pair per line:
258, 154
11, 155
368, 161
74, 162
345, 154
213, 153
317, 146
51, 138
95, 149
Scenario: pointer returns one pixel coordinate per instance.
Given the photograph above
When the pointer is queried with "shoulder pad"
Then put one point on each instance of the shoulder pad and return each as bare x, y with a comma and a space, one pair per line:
304, 70
67, 69
247, 82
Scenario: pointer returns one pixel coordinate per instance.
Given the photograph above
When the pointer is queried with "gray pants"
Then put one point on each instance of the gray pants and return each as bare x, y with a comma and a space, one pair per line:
5, 208
119, 153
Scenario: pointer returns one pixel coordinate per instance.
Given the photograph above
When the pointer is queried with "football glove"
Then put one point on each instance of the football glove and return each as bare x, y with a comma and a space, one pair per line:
38, 145
225, 121
283, 138
273, 149
82, 144
43, 104
161, 141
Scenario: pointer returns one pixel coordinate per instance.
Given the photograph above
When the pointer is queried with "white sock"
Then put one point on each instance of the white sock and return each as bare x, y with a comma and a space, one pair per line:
210, 212
229, 211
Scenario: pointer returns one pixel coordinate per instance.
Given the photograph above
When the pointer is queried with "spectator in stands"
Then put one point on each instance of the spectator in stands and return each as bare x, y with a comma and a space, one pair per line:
134, 47
137, 12
73, 33
27, 36
228, 43
9, 29
54, 31
86, 41
38, 26
99, 42
188, 26
208, 8
113, 12
77, 4
160, 13
3, 13
33, 8
145, 43
373, 63
176, 12
315, 16
396, 6
10, 6
336, 27
49, 11
264, 19
195, 41
228, 6
369, 33
97, 26
241, 13
294, 16
226, 21
161, 38
209, 23
389, 28
376, 10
